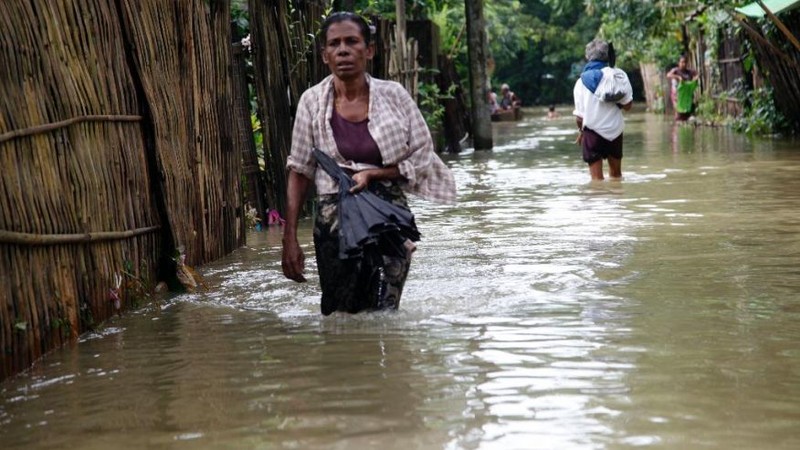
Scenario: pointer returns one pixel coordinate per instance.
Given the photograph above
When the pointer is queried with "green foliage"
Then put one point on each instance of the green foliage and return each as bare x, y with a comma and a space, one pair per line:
537, 45
665, 53
653, 31
749, 61
707, 109
450, 20
510, 29
534, 44
654, 35
430, 103
760, 117
544, 70
415, 9
240, 17
303, 43
258, 133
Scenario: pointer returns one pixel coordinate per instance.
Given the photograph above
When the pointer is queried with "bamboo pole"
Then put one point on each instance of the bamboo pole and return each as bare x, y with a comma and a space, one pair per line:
478, 80
400, 43
766, 42
781, 26
454, 48
65, 123
11, 237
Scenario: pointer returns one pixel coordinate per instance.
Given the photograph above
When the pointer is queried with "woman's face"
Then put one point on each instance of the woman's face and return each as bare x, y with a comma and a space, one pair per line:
346, 53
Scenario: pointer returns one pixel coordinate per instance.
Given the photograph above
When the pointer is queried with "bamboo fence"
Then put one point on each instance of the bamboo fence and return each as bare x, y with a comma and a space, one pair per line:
181, 53
287, 62
254, 187
116, 148
731, 74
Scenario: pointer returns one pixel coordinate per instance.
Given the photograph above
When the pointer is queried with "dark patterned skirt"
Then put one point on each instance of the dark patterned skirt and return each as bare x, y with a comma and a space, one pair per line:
366, 283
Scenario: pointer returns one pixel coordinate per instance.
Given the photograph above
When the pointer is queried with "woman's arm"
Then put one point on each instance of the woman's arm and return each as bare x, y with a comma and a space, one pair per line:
579, 123
364, 177
673, 74
292, 258
415, 168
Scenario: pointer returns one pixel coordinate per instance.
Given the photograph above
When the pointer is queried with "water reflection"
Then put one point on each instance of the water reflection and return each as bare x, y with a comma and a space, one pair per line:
544, 311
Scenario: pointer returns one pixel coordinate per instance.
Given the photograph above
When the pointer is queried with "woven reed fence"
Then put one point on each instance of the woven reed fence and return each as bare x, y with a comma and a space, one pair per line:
254, 187
115, 146
287, 62
181, 51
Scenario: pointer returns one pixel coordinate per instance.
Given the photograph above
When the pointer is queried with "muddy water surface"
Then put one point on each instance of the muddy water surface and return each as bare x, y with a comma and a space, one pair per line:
542, 312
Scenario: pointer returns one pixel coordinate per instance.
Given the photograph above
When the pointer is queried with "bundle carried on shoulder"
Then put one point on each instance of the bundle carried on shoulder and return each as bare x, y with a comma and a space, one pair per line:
613, 86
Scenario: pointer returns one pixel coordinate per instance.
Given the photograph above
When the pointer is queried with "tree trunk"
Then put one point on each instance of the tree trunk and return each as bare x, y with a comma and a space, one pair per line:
478, 89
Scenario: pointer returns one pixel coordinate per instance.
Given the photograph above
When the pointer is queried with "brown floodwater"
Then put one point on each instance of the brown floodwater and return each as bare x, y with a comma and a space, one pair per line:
543, 311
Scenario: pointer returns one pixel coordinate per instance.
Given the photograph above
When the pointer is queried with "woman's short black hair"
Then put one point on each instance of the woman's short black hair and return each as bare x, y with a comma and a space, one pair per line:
342, 16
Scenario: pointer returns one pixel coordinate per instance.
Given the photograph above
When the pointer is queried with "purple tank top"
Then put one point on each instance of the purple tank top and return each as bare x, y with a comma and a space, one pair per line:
354, 141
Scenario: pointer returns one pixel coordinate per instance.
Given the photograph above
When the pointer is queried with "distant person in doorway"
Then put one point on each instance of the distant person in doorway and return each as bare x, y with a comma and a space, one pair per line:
600, 122
683, 84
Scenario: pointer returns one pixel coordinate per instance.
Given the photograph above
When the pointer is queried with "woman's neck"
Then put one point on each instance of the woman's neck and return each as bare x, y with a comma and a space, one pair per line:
351, 89
351, 98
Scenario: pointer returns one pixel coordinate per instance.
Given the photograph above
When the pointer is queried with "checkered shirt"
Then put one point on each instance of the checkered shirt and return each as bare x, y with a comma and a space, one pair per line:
396, 125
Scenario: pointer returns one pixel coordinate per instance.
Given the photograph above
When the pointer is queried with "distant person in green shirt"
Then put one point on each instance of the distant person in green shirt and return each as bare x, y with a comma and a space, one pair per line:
684, 82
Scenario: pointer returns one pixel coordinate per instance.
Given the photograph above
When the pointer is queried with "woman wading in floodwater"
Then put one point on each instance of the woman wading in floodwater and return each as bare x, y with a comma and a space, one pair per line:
373, 129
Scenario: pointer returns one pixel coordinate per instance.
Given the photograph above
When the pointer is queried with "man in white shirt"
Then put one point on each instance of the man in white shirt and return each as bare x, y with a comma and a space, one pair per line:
600, 122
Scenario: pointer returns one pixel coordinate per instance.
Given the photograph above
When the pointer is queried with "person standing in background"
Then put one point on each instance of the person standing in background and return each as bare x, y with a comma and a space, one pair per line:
682, 88
600, 123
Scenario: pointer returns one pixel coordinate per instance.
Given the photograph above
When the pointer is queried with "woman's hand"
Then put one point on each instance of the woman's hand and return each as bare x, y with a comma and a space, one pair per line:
293, 261
364, 177
362, 180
